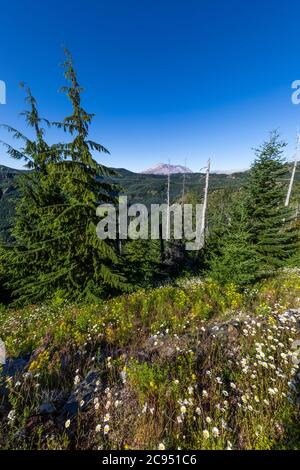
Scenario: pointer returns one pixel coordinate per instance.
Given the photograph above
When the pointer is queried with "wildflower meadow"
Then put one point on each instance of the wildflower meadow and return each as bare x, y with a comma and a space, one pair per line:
185, 366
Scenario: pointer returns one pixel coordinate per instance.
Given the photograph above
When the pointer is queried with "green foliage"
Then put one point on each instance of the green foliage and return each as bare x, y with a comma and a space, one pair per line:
140, 262
4, 292
55, 242
237, 260
271, 231
253, 233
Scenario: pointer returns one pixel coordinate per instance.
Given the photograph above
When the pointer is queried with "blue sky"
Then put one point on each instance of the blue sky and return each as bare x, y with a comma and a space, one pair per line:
167, 80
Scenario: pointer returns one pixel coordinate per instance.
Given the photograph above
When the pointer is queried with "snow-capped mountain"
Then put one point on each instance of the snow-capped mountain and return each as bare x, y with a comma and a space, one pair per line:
164, 169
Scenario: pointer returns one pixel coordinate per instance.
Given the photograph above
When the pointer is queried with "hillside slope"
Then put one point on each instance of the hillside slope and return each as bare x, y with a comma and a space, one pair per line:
192, 366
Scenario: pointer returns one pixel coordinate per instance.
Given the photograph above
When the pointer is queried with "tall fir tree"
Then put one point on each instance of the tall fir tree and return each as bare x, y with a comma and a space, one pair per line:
56, 247
26, 260
92, 263
271, 230
141, 262
236, 260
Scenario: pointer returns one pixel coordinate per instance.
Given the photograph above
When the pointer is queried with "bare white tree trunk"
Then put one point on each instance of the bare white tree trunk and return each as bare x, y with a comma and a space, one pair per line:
287, 201
205, 199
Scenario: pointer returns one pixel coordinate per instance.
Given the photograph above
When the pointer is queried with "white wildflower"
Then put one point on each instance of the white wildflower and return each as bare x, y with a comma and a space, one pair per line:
76, 380
106, 429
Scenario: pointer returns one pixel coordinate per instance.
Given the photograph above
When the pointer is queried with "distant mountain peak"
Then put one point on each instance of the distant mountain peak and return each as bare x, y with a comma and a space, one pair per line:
165, 168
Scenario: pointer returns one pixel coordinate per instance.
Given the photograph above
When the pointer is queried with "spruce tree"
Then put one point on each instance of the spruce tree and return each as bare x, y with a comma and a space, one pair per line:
236, 259
270, 221
141, 262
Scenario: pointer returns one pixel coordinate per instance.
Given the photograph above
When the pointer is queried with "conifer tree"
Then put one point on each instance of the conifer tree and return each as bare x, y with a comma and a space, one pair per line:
141, 262
56, 247
91, 262
236, 260
270, 221
27, 260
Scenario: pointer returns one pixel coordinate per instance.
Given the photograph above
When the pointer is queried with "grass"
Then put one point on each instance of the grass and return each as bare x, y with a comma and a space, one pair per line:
190, 366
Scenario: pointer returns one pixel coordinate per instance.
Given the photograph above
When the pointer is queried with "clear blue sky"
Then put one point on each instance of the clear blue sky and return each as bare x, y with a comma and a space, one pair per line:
167, 79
